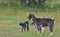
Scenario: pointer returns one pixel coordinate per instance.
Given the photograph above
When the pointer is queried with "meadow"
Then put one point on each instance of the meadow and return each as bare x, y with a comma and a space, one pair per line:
9, 24
11, 15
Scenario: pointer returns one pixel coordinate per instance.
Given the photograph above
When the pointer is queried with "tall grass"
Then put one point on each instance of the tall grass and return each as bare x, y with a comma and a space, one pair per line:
49, 5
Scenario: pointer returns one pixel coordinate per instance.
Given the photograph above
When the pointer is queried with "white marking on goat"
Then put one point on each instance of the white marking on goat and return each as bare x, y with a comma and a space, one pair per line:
52, 18
35, 25
36, 28
51, 34
26, 25
42, 29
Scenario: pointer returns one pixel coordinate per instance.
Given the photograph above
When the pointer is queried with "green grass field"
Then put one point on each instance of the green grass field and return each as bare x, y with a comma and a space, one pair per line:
9, 24
11, 15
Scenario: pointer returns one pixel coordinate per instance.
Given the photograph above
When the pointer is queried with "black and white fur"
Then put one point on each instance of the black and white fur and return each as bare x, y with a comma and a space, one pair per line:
40, 23
24, 26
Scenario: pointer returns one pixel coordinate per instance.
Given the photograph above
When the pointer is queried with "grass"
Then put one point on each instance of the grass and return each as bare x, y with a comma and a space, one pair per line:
11, 15
48, 5
9, 25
